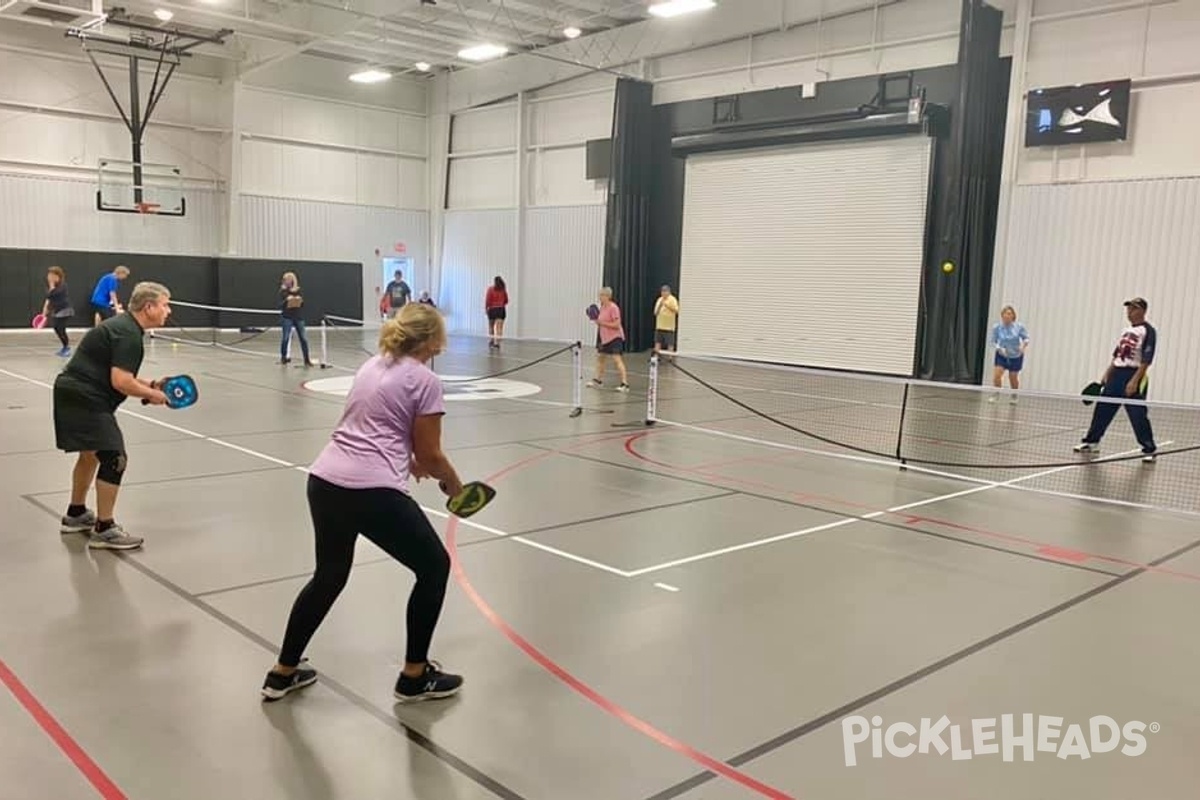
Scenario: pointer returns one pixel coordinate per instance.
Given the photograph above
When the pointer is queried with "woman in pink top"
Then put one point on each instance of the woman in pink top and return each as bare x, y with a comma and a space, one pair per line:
390, 431
611, 341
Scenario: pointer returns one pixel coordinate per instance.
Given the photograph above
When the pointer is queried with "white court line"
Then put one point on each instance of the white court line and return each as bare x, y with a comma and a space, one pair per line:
436, 512
667, 587
851, 520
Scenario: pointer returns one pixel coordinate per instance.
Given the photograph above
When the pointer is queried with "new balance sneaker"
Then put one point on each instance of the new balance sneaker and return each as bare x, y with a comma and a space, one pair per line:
114, 538
1087, 447
1149, 456
80, 523
278, 685
624, 387
432, 684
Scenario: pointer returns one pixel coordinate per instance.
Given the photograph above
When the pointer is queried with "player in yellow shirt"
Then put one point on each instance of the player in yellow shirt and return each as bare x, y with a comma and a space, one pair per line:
666, 313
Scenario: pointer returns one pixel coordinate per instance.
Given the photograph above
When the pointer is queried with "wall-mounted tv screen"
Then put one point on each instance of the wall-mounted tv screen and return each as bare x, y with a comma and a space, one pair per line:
1093, 112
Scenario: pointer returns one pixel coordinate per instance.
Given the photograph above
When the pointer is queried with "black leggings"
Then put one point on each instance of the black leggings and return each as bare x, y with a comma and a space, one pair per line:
394, 522
60, 328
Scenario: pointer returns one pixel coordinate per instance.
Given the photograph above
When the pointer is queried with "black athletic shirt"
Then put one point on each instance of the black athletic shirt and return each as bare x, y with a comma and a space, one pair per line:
116, 342
59, 300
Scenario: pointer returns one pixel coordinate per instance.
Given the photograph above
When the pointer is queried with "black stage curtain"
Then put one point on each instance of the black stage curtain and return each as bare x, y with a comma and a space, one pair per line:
626, 236
956, 302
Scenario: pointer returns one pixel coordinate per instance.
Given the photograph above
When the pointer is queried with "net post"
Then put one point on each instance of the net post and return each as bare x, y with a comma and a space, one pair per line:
577, 383
652, 391
324, 346
900, 430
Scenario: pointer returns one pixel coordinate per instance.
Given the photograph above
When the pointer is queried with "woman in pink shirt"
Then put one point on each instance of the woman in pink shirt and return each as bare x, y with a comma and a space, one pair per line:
390, 431
611, 336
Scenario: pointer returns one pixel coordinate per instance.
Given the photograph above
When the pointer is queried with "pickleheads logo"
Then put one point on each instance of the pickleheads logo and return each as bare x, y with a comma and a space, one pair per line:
1026, 735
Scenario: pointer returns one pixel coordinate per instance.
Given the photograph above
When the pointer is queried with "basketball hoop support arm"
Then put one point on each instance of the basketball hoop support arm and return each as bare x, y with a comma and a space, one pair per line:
134, 50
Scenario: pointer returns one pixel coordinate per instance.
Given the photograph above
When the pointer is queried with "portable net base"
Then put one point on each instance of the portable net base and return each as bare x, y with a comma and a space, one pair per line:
1022, 439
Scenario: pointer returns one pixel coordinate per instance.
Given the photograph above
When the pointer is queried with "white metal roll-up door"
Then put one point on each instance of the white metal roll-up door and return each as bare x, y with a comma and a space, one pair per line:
806, 254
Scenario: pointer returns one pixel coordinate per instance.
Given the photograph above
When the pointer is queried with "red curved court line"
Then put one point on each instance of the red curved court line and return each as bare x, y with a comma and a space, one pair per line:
1048, 549
107, 789
708, 762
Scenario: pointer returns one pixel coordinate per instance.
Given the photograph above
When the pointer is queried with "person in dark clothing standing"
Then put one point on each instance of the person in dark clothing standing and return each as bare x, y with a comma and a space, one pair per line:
398, 294
291, 305
57, 307
1126, 378
87, 394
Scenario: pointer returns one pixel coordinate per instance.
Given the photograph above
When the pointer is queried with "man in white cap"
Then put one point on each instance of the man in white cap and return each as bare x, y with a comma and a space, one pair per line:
1126, 378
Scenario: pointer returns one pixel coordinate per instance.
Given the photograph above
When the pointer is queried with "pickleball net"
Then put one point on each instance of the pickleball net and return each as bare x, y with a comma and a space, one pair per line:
1024, 439
539, 371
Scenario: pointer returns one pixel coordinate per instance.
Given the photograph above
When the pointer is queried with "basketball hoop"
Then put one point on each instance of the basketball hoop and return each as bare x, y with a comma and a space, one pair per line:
148, 208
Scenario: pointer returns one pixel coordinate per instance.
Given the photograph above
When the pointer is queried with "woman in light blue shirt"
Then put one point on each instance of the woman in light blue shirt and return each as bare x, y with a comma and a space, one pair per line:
1010, 339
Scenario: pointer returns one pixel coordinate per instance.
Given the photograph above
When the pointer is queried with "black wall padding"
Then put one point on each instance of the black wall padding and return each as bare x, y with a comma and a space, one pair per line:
956, 304
627, 232
329, 287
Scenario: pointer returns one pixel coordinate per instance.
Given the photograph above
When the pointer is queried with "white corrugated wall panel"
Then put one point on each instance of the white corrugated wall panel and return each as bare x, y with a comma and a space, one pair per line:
1077, 251
562, 271
478, 246
49, 213
806, 254
273, 227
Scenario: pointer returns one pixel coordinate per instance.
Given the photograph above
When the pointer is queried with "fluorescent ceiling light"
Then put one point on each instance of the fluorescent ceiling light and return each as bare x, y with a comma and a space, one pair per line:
370, 76
572, 32
482, 52
163, 14
423, 66
674, 8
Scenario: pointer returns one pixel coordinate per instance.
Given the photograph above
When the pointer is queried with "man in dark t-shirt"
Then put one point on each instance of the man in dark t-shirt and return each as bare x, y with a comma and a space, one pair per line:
87, 394
398, 293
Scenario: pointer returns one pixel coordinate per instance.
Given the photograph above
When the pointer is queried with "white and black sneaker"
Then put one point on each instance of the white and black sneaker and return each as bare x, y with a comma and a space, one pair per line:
1149, 456
113, 537
432, 684
1087, 447
80, 523
278, 685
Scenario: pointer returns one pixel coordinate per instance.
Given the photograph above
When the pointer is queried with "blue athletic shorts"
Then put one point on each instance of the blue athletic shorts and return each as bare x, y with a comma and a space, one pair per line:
1010, 363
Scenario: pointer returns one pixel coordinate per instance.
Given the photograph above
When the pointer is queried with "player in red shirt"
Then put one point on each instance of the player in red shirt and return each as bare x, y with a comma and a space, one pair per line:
495, 304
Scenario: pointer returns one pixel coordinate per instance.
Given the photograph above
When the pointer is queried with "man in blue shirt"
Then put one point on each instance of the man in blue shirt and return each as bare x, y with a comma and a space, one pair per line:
1126, 378
105, 302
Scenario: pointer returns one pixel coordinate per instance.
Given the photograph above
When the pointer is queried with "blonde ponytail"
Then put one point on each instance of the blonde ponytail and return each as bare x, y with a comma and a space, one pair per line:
416, 326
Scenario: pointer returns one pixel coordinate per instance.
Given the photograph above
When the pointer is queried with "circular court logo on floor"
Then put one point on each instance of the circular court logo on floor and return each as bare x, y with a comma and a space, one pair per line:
455, 388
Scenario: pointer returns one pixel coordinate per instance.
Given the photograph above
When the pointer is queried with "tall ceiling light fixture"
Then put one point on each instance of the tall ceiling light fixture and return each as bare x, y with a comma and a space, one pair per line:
675, 8
482, 52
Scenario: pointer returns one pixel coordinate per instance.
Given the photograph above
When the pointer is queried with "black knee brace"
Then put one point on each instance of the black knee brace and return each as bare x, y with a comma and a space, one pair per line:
112, 466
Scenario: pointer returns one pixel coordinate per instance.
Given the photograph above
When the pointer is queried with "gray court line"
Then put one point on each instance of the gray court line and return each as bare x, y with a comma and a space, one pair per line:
849, 518
391, 721
178, 479
602, 517
800, 731
281, 579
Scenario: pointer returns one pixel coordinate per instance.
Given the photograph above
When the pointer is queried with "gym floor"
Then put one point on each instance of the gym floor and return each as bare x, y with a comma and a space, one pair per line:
643, 613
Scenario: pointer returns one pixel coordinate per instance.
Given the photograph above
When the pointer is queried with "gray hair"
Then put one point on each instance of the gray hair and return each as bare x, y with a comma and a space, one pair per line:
146, 293
606, 291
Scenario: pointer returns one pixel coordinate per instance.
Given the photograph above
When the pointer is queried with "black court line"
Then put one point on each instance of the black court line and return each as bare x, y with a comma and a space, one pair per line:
800, 731
415, 736
873, 521
601, 518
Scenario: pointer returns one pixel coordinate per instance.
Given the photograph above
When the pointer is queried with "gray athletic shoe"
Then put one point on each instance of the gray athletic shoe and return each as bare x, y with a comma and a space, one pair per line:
114, 538
81, 523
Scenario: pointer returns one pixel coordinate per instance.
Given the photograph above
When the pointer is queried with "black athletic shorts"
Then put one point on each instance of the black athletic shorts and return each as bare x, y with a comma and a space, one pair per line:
80, 426
613, 348
496, 313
